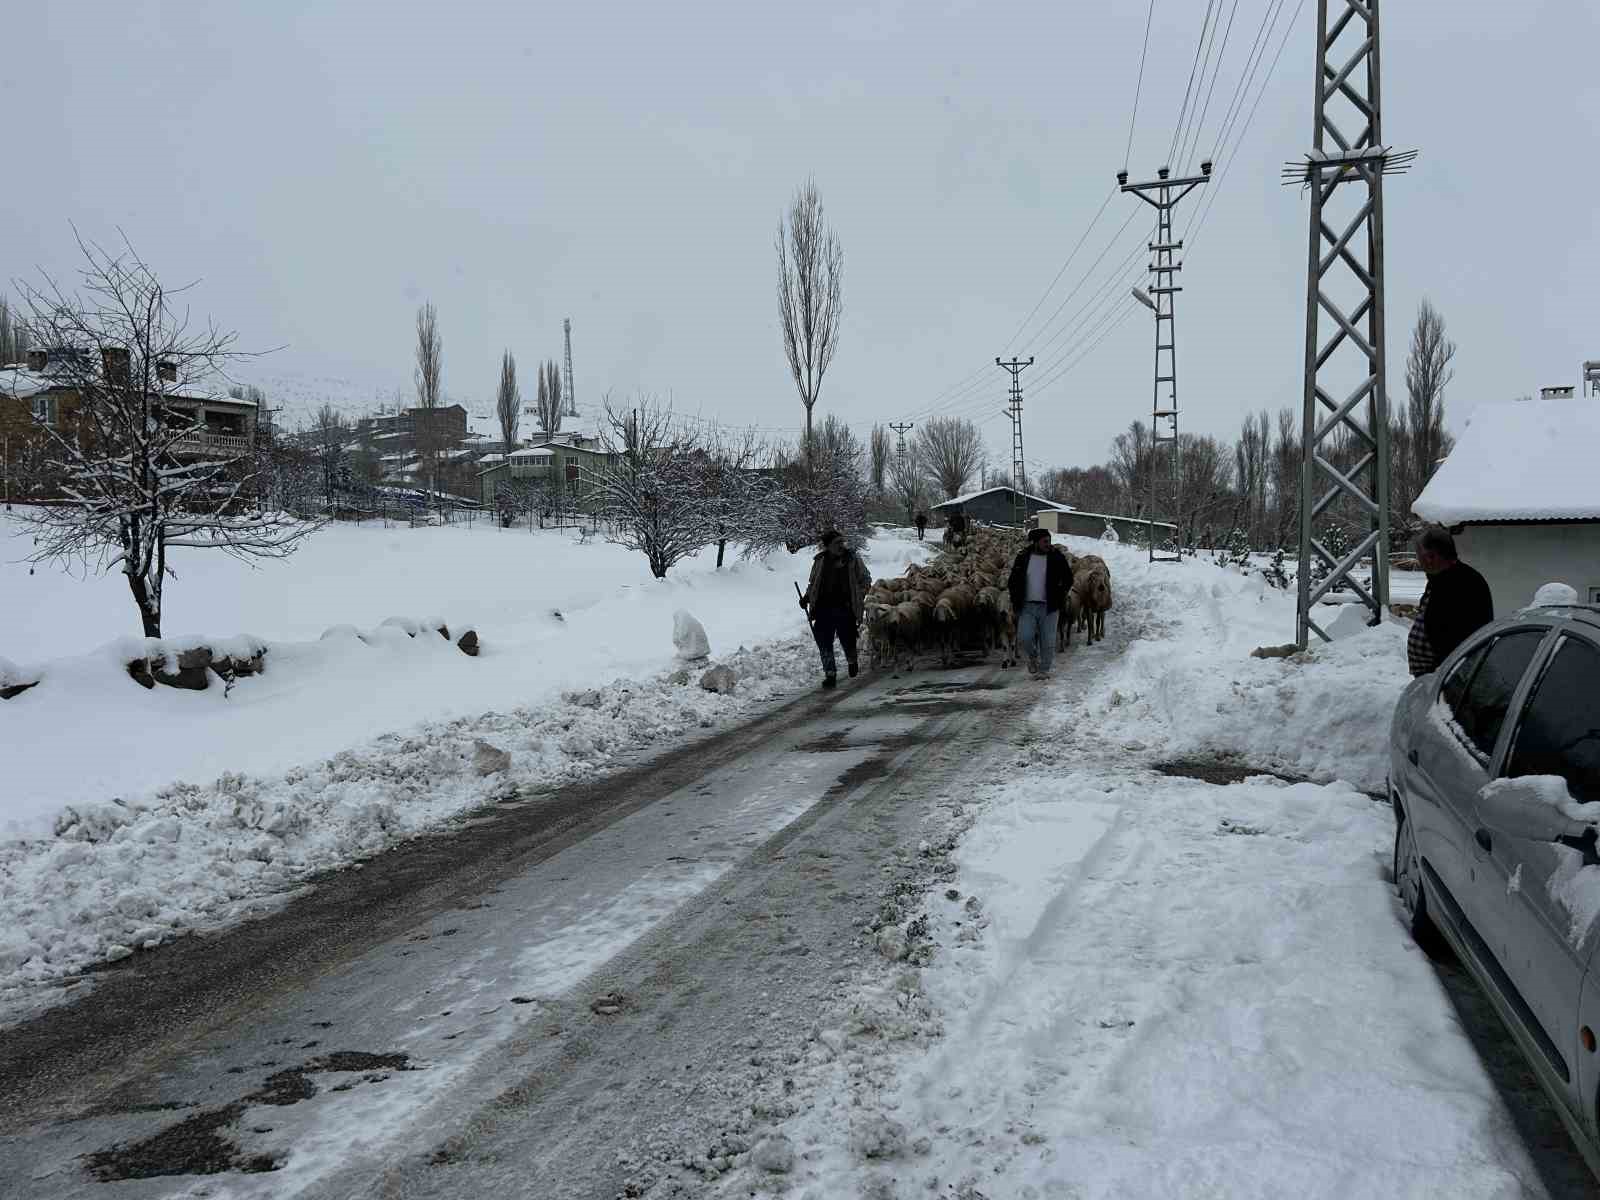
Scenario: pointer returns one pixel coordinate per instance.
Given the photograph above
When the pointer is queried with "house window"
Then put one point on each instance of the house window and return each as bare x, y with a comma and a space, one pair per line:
44, 409
1594, 595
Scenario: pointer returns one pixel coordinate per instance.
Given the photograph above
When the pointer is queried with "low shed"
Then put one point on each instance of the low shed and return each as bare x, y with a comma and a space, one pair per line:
1093, 525
993, 506
1521, 493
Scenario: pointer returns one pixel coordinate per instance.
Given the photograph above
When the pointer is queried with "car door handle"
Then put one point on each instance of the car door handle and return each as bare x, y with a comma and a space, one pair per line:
1412, 758
1483, 839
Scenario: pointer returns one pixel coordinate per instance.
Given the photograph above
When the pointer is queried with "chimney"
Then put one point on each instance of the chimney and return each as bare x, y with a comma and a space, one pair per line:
37, 359
115, 360
168, 370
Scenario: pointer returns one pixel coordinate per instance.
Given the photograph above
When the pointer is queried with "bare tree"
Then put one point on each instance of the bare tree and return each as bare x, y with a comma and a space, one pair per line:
547, 403
141, 478
878, 446
1130, 464
1092, 489
1428, 373
810, 301
951, 450
429, 369
733, 489
1250, 472
908, 481
1286, 459
330, 432
822, 486
508, 402
553, 372
8, 345
651, 490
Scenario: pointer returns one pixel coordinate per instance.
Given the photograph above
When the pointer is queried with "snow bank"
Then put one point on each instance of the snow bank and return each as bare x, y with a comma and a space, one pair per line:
118, 875
128, 815
553, 616
1188, 686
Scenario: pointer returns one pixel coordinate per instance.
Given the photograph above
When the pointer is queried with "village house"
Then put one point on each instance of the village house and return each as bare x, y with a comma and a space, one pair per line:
40, 394
1521, 495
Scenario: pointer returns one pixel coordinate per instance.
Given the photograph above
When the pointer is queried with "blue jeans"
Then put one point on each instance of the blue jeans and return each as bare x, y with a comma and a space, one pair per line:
1036, 634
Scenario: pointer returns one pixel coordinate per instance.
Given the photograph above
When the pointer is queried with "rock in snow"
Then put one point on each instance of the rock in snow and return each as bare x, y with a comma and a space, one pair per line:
487, 759
689, 636
775, 1154
720, 680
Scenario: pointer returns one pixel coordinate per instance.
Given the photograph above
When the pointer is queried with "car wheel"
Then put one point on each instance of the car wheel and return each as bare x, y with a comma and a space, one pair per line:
1408, 882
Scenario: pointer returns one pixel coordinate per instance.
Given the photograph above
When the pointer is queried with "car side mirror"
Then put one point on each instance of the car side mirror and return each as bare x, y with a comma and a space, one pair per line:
1537, 808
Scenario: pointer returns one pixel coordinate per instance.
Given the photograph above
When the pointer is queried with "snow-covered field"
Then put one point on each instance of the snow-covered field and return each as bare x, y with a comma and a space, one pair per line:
129, 816
1125, 983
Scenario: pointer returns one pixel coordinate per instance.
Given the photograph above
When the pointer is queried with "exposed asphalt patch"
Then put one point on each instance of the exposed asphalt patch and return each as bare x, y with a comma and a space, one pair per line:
1220, 771
200, 1145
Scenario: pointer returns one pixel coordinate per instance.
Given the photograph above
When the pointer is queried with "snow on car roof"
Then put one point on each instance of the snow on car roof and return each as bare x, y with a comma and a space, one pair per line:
1519, 460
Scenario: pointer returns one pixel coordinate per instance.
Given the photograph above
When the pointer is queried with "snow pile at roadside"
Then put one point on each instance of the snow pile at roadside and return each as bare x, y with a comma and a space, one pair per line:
552, 615
1187, 684
116, 876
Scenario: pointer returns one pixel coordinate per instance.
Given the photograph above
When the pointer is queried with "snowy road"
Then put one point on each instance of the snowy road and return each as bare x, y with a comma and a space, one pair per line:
951, 934
402, 1026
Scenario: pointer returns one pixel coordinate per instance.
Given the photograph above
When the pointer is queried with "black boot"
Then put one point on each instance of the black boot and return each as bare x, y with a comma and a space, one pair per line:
830, 680
855, 668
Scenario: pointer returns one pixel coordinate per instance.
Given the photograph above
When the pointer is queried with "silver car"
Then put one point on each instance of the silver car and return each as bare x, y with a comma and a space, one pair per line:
1489, 758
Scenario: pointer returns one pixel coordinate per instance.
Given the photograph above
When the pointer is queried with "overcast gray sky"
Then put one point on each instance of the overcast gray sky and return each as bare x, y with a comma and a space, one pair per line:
324, 167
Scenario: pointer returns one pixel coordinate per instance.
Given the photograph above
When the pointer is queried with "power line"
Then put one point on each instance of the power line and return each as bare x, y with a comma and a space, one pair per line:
1210, 5
1198, 126
1244, 129
1104, 204
1139, 87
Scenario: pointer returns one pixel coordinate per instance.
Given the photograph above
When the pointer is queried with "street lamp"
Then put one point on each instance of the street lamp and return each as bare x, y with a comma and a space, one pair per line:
1143, 298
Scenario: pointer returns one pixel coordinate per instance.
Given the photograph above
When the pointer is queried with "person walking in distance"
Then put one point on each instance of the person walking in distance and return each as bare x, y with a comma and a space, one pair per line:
834, 601
1040, 579
922, 525
1455, 604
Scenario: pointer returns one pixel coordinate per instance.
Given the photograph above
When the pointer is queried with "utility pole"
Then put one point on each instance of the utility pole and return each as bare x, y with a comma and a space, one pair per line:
1166, 470
901, 428
1019, 505
1344, 279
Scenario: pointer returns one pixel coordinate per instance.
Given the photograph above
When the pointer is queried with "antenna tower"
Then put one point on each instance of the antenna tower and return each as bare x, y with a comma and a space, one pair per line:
572, 399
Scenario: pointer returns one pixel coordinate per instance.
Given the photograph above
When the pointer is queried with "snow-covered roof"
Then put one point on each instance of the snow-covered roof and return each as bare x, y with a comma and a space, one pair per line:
1519, 460
18, 381
971, 496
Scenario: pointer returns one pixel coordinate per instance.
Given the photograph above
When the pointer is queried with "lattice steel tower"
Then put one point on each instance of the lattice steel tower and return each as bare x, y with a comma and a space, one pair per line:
1166, 465
1019, 466
572, 399
1345, 441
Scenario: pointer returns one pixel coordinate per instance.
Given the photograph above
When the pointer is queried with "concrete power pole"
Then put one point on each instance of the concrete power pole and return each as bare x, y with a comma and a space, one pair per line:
1344, 433
1019, 470
1166, 467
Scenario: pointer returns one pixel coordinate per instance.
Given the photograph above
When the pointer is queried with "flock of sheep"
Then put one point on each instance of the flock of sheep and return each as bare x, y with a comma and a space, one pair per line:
960, 600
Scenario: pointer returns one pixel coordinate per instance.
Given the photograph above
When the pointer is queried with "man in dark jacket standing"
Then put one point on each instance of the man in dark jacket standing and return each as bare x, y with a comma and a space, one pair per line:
922, 525
1454, 605
1040, 580
834, 601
